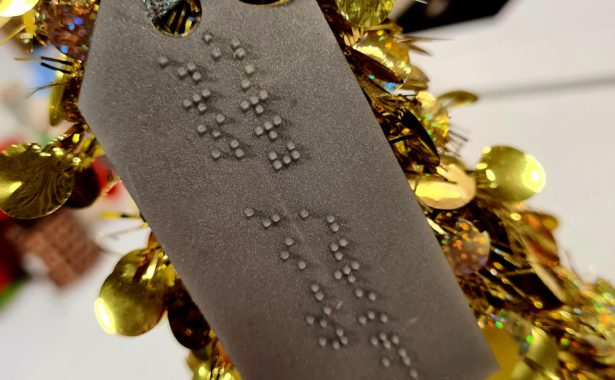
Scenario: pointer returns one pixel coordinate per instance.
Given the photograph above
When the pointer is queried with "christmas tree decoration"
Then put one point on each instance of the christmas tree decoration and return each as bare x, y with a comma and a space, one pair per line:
273, 117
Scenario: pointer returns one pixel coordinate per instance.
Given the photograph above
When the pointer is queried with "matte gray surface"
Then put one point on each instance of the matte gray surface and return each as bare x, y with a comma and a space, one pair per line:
263, 270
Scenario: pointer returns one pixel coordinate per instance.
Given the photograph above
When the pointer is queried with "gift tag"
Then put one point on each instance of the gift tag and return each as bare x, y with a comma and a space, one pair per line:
254, 156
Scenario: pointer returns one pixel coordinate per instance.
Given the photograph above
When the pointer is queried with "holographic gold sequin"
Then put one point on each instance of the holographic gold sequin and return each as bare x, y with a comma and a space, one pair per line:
365, 13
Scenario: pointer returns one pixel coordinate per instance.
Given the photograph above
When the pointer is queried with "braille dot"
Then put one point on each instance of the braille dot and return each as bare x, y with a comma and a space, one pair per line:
330, 219
249, 212
301, 265
334, 227
351, 279
216, 154
254, 100
239, 153
286, 159
314, 288
163, 61
201, 129
303, 214
346, 270
406, 360
187, 104
289, 241
216, 134
248, 69
371, 315
182, 72
268, 126
322, 341
284, 255
272, 156
382, 336
235, 43
334, 247
295, 155
220, 118
267, 223
336, 345
258, 131
197, 77
263, 95
374, 341
205, 93
234, 144
245, 84
338, 256
355, 265
273, 135
327, 310
402, 352
414, 373
386, 362
309, 319
337, 275
216, 53
362, 319
277, 164
343, 242
191, 66
394, 338
384, 319
196, 98
387, 344
207, 37
319, 296
240, 53
276, 218
358, 292
344, 340
202, 108
290, 146
323, 323
371, 296
277, 120
259, 109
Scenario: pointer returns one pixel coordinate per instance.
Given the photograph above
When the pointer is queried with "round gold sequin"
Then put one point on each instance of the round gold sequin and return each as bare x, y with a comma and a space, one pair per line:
365, 13
382, 47
35, 182
466, 249
131, 301
509, 174
452, 188
12, 8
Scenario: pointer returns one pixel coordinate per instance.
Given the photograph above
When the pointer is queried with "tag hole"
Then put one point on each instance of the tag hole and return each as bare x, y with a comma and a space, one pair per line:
177, 18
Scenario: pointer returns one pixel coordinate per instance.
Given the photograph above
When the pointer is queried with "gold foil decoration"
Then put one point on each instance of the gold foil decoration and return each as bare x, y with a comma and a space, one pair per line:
131, 301
466, 248
457, 98
365, 13
451, 188
538, 239
381, 46
508, 174
35, 182
186, 320
56, 97
433, 116
12, 8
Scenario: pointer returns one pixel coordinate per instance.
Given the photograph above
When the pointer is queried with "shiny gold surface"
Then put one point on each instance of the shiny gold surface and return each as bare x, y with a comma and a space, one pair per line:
381, 46
510, 175
56, 96
450, 189
434, 117
365, 13
34, 182
467, 248
11, 8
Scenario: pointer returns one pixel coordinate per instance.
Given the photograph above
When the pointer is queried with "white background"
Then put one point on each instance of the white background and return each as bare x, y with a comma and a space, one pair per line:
513, 61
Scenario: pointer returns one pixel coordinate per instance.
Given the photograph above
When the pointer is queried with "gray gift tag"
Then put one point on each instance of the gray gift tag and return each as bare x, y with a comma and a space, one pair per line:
253, 154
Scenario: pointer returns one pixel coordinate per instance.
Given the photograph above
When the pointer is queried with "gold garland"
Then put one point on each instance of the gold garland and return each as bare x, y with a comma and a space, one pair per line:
541, 320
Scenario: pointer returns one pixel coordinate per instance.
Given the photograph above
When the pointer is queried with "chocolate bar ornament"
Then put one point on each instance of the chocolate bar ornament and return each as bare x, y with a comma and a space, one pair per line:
254, 156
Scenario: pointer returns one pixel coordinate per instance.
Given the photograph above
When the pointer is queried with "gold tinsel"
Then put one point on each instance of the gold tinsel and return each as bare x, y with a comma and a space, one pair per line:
541, 319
